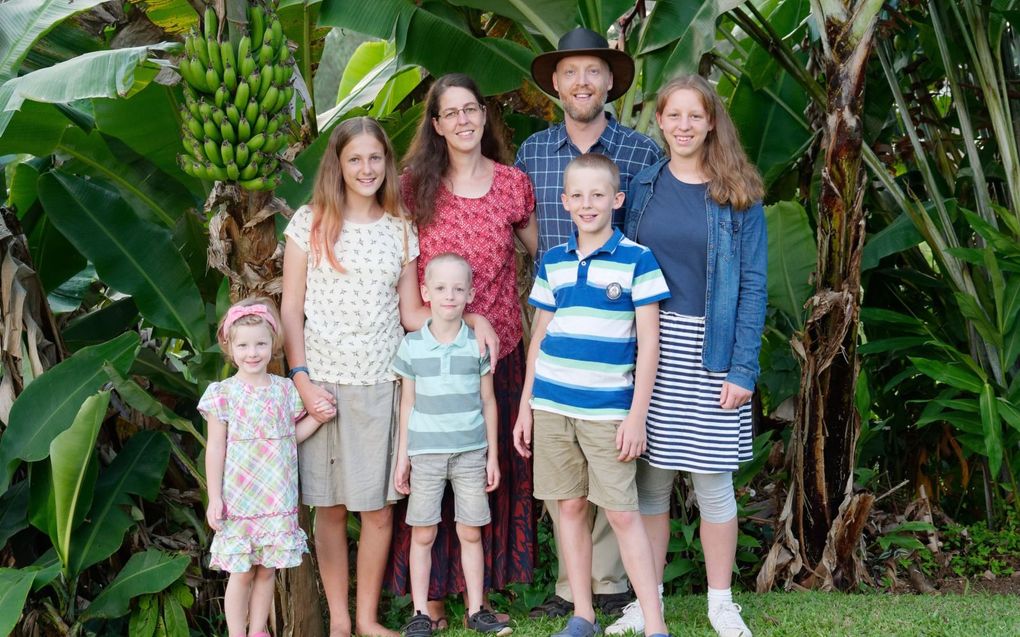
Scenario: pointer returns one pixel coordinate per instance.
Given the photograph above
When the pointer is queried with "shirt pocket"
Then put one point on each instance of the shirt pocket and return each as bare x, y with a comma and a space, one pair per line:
729, 237
613, 280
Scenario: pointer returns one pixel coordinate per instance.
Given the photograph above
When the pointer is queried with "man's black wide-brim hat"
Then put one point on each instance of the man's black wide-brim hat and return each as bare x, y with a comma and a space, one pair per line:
581, 41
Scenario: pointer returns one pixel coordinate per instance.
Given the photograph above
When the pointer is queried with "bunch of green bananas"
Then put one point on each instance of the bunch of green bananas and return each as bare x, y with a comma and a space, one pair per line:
233, 118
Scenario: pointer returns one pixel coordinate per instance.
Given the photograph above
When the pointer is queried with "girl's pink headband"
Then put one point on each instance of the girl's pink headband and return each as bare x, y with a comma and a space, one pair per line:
238, 311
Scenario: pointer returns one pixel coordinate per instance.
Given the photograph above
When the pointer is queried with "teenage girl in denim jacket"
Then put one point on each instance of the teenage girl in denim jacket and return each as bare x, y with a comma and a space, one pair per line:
700, 212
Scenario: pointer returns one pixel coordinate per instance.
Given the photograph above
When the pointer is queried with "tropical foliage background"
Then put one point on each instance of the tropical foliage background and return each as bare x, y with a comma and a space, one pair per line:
886, 133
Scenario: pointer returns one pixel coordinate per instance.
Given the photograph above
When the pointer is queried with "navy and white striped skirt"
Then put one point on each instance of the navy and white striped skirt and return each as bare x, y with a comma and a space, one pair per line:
687, 430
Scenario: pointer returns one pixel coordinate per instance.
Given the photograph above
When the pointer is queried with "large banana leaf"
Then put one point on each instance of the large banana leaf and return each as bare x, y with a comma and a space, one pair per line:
53, 257
376, 18
23, 192
367, 83
299, 19
496, 65
13, 511
148, 124
35, 129
599, 15
895, 237
61, 43
792, 258
14, 587
788, 19
142, 401
41, 130
771, 124
98, 74
551, 18
23, 21
101, 325
173, 16
372, 76
134, 256
74, 472
153, 194
680, 33
137, 470
148, 572
49, 404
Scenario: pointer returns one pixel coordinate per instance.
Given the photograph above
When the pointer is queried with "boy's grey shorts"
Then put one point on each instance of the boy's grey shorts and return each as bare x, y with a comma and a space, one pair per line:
465, 471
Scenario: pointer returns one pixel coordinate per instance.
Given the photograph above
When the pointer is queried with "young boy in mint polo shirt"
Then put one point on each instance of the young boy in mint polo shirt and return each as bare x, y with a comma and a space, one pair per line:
591, 367
447, 433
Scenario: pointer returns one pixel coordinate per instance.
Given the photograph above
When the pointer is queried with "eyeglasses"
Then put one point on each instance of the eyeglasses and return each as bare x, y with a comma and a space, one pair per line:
453, 114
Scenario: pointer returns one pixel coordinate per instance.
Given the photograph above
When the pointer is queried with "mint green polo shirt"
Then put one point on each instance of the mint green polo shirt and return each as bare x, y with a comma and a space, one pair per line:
447, 412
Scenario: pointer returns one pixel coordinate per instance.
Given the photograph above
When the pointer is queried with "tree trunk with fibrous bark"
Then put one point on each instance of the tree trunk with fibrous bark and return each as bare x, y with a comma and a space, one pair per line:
822, 520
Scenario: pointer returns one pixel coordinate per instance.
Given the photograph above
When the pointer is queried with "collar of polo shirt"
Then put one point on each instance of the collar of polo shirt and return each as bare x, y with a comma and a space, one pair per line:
431, 341
609, 246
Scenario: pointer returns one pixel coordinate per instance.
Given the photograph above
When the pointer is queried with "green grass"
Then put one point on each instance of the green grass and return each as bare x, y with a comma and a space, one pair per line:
829, 614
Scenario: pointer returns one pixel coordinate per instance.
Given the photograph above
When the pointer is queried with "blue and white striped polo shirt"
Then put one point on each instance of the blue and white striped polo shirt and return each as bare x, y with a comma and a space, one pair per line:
585, 367
545, 155
447, 412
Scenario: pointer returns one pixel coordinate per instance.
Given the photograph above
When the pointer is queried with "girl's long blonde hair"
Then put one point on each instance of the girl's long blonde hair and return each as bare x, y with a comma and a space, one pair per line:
329, 192
733, 179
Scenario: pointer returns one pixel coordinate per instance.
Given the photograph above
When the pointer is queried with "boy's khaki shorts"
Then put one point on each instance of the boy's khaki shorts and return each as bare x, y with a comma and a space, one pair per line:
466, 473
576, 458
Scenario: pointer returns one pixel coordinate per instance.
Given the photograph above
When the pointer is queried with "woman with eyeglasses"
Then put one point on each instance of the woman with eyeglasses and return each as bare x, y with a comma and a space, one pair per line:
465, 199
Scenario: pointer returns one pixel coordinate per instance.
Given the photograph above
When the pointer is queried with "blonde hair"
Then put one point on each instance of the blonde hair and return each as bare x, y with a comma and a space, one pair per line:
224, 336
733, 179
449, 257
329, 192
596, 161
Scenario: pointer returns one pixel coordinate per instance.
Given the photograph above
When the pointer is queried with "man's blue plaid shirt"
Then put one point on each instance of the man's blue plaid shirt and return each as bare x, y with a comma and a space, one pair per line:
546, 154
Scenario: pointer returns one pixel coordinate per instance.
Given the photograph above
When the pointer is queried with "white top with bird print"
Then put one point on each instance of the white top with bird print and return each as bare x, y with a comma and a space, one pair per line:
352, 321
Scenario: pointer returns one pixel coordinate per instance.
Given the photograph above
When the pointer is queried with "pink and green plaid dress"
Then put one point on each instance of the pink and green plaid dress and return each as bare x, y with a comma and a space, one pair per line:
260, 478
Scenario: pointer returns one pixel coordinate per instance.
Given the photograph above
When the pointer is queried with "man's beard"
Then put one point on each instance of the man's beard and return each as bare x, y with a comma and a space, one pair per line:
585, 115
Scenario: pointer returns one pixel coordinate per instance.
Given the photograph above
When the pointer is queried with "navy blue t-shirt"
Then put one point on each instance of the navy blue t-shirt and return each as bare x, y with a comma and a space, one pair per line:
675, 228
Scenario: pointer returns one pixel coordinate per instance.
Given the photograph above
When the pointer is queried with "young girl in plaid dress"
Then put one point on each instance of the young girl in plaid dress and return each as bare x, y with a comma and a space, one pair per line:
251, 466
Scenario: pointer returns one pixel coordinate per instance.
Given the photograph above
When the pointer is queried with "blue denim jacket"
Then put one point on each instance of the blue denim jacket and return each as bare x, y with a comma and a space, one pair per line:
736, 294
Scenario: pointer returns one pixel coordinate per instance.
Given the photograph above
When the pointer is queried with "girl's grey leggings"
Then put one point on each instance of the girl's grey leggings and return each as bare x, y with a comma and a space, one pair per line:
714, 492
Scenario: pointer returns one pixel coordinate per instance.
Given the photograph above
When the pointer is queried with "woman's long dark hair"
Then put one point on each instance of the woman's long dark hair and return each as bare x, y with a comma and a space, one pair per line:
427, 159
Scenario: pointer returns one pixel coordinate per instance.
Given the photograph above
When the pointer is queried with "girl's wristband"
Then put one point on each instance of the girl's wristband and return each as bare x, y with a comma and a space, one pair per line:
294, 371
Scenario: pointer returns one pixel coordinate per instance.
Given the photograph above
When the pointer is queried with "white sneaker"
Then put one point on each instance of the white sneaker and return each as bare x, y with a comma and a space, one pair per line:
631, 621
727, 622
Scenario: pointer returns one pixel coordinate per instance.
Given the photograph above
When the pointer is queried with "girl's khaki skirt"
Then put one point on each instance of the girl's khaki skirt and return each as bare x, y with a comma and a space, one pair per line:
351, 459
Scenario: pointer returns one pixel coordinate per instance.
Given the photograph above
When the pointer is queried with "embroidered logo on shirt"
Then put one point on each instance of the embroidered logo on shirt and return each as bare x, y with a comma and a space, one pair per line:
614, 291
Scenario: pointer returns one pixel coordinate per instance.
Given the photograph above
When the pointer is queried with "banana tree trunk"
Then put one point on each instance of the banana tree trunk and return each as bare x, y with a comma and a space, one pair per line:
242, 240
822, 518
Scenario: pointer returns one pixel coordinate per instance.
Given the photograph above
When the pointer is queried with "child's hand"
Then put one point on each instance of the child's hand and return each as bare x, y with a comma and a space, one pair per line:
402, 479
630, 438
214, 513
319, 403
522, 432
491, 473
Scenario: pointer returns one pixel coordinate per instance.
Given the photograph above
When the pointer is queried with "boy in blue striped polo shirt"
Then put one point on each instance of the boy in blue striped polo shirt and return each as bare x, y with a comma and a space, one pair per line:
591, 366
447, 432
